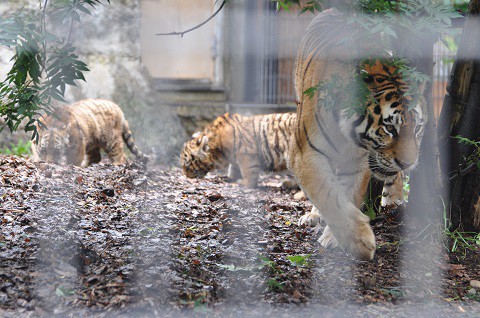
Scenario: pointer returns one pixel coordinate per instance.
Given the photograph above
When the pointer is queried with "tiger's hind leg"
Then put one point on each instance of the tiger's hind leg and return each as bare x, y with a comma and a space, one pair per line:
234, 172
114, 150
93, 156
250, 168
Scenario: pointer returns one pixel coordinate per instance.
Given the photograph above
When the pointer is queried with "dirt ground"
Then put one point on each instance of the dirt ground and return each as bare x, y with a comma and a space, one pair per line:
124, 241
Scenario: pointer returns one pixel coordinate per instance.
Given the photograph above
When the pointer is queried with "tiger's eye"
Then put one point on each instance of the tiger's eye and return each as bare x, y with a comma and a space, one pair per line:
418, 128
391, 129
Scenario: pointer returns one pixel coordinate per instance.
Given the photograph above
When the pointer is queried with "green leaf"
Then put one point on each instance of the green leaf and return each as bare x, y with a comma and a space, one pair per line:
299, 260
83, 9
310, 91
75, 16
370, 213
274, 285
305, 9
63, 292
80, 76
57, 96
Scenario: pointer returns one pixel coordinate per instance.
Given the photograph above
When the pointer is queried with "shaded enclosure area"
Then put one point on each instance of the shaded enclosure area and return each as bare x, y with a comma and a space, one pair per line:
127, 241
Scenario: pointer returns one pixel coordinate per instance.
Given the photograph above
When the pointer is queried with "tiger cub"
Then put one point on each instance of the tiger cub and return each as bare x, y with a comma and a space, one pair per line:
79, 131
248, 144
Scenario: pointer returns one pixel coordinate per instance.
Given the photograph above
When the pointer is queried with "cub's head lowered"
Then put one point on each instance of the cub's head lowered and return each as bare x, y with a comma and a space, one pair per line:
196, 159
53, 141
392, 127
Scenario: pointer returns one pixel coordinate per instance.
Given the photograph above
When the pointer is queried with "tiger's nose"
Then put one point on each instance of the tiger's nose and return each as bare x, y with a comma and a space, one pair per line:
403, 164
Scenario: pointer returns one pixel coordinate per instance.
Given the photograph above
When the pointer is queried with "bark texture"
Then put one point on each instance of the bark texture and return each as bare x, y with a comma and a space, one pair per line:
460, 117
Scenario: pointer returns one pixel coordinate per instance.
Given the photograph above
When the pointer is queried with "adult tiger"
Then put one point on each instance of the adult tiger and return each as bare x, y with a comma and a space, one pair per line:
79, 131
247, 144
333, 155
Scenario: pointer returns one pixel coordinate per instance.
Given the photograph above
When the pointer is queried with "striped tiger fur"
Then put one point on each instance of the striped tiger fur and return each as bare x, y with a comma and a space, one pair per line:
79, 131
333, 155
249, 144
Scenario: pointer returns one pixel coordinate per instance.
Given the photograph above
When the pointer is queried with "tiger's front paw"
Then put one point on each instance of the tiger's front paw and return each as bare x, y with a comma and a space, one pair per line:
358, 242
311, 218
250, 183
361, 242
393, 194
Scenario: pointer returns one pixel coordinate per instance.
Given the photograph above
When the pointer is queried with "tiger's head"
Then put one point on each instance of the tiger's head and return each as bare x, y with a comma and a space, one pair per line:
53, 141
392, 127
195, 158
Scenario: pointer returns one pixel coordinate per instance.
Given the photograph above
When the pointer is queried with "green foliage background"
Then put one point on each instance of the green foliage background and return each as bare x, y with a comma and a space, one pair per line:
19, 149
44, 63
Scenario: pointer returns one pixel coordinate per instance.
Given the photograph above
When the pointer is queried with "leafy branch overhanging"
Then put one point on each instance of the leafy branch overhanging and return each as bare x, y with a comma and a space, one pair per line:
44, 63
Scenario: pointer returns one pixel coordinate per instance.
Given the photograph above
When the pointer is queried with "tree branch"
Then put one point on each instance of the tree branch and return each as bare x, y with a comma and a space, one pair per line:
44, 30
464, 171
181, 33
71, 29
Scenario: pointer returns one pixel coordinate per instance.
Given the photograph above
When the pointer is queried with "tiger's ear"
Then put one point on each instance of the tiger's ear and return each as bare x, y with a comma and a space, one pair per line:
367, 78
203, 144
196, 134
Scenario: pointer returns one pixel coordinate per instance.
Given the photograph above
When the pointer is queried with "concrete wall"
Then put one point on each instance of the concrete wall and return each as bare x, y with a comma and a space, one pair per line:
108, 41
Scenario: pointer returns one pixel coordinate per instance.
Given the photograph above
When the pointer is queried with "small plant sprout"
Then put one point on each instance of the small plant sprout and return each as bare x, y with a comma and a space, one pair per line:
21, 148
300, 260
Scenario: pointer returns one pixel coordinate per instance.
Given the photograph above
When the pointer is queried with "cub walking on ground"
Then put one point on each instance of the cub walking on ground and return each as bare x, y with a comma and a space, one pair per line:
79, 131
248, 144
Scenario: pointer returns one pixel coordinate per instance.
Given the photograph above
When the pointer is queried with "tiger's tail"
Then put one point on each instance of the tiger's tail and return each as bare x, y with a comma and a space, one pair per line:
129, 141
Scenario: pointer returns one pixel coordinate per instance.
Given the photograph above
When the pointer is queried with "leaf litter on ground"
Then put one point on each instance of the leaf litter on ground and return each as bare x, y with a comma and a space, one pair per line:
125, 240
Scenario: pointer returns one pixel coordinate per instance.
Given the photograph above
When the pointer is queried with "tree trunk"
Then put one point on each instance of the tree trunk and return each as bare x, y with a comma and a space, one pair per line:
460, 117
